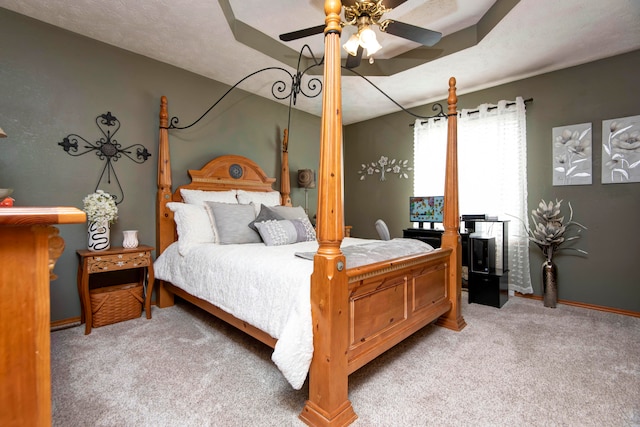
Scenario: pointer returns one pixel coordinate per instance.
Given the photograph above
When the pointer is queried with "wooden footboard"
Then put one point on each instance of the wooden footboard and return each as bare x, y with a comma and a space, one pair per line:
389, 301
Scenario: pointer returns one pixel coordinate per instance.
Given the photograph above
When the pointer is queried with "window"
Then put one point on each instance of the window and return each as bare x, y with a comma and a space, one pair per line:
492, 172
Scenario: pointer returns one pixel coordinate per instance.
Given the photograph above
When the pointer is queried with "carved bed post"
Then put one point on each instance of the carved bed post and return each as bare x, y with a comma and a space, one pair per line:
328, 403
451, 236
164, 224
285, 180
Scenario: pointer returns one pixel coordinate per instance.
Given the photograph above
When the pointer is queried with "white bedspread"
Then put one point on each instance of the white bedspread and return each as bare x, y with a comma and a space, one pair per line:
266, 286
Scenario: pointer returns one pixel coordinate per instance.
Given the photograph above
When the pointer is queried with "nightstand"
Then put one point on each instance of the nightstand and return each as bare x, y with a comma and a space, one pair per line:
114, 259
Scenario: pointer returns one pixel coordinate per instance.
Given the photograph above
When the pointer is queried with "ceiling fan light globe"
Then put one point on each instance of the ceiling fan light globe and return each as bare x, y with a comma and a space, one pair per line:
351, 46
369, 41
372, 47
367, 35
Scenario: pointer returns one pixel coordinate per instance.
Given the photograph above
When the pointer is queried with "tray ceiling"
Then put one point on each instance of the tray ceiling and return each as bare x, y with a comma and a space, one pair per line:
486, 42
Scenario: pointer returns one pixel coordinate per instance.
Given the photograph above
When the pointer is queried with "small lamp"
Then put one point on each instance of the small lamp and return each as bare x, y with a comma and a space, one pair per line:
306, 180
2, 134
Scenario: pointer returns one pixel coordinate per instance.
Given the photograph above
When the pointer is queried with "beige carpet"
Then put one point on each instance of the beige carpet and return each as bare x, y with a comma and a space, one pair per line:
521, 365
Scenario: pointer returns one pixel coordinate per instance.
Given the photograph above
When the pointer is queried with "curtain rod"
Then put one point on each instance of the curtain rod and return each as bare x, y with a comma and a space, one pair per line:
526, 101
509, 104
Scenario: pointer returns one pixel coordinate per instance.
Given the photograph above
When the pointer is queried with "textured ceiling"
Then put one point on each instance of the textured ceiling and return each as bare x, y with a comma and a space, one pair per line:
227, 39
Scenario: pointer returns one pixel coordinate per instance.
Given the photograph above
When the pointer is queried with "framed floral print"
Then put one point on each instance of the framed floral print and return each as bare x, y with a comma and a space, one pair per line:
621, 150
572, 154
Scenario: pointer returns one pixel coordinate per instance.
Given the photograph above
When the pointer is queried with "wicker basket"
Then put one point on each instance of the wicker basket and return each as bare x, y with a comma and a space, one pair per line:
112, 304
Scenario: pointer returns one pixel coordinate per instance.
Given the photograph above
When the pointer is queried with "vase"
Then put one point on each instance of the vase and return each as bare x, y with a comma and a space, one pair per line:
98, 236
549, 284
130, 239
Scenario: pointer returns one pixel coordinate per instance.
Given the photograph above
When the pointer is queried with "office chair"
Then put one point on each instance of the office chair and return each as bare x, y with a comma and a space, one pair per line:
383, 230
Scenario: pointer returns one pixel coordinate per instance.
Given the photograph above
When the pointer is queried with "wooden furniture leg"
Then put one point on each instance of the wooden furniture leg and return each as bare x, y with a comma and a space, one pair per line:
150, 282
84, 296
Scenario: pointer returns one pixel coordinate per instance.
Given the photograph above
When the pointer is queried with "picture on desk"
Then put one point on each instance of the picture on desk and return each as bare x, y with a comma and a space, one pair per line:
426, 209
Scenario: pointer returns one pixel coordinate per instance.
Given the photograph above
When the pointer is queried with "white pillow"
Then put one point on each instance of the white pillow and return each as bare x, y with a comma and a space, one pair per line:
267, 198
198, 197
193, 225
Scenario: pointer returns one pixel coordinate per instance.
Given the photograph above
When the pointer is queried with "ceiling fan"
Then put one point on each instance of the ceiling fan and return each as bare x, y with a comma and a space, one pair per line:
364, 14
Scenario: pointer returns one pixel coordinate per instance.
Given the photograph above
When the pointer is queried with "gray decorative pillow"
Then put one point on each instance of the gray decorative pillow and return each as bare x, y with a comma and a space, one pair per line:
230, 222
284, 232
297, 212
265, 215
288, 212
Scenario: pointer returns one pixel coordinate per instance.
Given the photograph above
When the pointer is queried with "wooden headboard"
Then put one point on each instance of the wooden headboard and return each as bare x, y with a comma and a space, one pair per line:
220, 174
227, 173
230, 172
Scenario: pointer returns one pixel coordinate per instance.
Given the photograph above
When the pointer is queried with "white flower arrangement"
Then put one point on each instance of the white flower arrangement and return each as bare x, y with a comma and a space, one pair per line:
100, 206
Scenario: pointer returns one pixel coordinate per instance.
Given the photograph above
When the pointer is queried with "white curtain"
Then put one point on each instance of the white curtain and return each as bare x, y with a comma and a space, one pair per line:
492, 172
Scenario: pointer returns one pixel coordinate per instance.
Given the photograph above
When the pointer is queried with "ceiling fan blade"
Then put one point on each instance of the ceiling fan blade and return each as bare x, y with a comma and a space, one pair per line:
413, 33
295, 35
354, 61
392, 4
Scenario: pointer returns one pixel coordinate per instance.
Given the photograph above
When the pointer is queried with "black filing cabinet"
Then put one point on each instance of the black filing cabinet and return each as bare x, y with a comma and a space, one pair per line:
488, 289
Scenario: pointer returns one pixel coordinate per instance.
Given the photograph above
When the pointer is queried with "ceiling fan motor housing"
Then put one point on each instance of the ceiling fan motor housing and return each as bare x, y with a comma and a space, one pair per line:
371, 11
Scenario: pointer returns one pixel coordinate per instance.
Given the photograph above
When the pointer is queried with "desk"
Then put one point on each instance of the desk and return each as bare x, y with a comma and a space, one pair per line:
114, 259
434, 237
489, 287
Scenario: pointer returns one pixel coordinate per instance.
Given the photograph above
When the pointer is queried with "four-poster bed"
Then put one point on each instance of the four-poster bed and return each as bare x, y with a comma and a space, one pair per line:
356, 313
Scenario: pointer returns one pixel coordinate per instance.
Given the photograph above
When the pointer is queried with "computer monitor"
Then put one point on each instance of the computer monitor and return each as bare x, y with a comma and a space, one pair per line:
426, 209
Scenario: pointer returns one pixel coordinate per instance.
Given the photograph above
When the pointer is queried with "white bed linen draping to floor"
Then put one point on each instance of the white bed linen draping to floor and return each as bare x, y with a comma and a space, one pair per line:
265, 286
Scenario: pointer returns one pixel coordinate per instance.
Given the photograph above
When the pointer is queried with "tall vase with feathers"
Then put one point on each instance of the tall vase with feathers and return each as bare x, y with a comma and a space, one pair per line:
548, 233
549, 284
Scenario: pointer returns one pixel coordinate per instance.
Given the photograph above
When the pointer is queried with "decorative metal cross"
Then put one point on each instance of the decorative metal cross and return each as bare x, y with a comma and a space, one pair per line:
106, 148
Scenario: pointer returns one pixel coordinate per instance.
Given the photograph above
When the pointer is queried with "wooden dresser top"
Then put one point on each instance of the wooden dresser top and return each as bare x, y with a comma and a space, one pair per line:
36, 215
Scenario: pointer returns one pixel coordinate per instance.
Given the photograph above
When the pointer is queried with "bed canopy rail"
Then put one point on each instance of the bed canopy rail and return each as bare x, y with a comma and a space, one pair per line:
165, 230
165, 226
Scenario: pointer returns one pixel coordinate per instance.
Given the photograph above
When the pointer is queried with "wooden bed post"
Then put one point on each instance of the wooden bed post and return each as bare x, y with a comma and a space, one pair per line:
164, 226
285, 180
328, 403
451, 236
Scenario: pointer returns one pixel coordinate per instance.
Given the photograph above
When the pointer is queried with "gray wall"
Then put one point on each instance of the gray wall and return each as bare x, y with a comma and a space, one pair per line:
592, 92
54, 83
